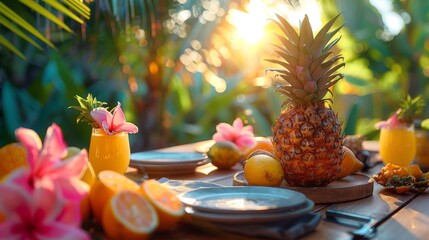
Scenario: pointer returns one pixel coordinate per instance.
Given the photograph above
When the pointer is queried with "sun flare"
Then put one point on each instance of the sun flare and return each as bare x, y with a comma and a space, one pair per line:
250, 24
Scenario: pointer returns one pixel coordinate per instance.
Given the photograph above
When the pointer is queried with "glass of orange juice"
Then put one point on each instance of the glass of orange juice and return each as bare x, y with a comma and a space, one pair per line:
398, 144
109, 152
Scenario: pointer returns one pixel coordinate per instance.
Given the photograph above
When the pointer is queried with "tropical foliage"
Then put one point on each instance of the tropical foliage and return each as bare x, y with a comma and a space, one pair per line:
178, 72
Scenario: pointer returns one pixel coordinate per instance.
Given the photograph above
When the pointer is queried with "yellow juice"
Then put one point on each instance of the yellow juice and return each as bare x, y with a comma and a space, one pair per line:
109, 152
398, 145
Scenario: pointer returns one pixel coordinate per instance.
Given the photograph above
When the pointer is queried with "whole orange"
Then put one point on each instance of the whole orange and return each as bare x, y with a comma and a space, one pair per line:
261, 144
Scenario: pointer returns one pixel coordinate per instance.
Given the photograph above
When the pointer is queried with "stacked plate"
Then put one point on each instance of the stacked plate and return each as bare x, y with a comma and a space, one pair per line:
167, 163
248, 204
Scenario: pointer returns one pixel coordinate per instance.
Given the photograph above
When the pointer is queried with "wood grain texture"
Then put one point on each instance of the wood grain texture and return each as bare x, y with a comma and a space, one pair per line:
355, 186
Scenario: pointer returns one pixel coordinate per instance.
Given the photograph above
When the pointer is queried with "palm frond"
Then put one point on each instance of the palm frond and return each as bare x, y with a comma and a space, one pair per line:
26, 29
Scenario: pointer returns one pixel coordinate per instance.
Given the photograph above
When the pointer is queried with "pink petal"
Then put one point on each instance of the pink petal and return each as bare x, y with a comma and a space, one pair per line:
70, 167
31, 142
15, 201
126, 127
54, 148
20, 177
8, 229
73, 190
238, 123
228, 132
245, 141
54, 230
71, 214
101, 115
119, 123
118, 117
48, 200
106, 128
247, 130
218, 137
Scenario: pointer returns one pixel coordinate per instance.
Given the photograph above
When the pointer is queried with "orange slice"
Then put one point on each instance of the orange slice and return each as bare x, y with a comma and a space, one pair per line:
108, 184
169, 208
12, 156
128, 215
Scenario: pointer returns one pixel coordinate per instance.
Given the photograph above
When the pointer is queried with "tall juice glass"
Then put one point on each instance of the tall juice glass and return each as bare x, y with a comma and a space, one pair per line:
109, 152
398, 144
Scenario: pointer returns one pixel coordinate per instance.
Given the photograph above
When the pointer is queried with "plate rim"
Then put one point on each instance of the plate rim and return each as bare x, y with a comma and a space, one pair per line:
250, 217
193, 200
159, 160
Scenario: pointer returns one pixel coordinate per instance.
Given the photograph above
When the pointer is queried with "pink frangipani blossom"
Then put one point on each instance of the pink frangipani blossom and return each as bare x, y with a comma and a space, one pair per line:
47, 173
240, 135
113, 123
34, 215
391, 122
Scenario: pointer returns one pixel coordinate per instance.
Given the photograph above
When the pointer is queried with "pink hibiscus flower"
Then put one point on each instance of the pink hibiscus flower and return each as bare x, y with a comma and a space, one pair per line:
113, 123
34, 215
47, 170
240, 135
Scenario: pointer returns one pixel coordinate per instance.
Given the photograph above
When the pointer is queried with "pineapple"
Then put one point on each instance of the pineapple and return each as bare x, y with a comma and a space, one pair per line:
85, 107
307, 136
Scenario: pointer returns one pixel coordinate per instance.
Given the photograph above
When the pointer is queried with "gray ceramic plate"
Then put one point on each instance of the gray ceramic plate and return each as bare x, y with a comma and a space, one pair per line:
167, 158
248, 199
251, 217
168, 169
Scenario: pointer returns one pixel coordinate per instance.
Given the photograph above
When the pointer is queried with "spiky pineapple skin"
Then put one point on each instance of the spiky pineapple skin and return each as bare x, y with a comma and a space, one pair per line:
308, 142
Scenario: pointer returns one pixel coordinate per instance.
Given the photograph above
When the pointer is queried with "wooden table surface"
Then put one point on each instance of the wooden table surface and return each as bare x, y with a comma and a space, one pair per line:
398, 216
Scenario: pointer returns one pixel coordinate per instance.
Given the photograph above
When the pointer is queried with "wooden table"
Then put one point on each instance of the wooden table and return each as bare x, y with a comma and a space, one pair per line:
398, 216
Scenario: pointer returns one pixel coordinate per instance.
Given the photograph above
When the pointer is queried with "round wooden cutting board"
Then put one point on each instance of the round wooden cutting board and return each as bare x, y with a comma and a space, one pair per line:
352, 187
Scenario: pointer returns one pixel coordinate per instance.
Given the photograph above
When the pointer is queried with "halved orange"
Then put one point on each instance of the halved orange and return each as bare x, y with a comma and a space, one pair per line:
168, 206
128, 215
108, 184
12, 156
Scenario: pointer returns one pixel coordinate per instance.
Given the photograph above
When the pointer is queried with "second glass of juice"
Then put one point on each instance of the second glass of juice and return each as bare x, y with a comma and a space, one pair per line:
398, 144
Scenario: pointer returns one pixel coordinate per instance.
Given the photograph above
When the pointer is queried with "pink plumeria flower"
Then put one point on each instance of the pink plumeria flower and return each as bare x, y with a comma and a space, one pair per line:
113, 123
47, 170
391, 122
240, 135
34, 215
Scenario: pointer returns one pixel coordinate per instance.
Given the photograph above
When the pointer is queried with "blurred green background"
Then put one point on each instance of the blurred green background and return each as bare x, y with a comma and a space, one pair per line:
181, 67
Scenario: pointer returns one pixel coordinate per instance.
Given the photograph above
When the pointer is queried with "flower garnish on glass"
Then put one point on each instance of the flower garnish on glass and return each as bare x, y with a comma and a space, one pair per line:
397, 136
109, 147
237, 133
41, 200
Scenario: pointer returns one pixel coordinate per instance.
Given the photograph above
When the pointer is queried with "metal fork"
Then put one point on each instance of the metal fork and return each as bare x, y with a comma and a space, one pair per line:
366, 225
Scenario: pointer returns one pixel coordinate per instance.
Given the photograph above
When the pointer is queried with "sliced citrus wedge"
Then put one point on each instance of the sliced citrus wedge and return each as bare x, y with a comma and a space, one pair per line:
108, 184
128, 215
169, 208
12, 156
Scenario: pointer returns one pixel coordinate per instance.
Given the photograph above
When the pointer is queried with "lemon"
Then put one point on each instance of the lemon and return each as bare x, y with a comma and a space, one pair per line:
263, 170
224, 155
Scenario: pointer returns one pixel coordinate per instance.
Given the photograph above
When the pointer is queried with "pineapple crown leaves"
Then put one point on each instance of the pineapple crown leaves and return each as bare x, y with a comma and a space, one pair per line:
85, 107
410, 108
308, 67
